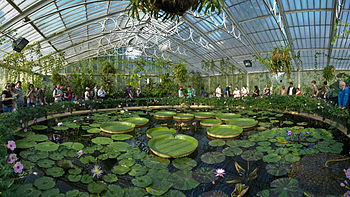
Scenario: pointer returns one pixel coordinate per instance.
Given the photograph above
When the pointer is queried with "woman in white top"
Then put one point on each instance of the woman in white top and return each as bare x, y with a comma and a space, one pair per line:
87, 94
244, 91
236, 93
218, 91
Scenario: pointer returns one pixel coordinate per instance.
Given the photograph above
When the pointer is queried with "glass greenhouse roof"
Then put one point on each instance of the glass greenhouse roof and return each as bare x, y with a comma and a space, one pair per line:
79, 29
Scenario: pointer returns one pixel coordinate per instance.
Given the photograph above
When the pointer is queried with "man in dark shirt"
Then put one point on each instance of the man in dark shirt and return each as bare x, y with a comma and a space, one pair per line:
7, 99
41, 96
68, 95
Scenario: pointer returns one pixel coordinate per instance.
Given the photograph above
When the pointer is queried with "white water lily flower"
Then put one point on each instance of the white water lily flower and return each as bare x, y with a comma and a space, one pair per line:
220, 172
96, 171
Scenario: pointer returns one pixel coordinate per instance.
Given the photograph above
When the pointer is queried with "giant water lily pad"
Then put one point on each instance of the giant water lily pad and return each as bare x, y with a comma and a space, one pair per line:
138, 121
212, 157
183, 180
204, 115
282, 187
158, 131
142, 181
184, 163
164, 114
245, 123
46, 146
27, 190
183, 116
117, 127
252, 155
232, 151
204, 175
156, 162
73, 145
121, 136
37, 138
210, 122
224, 131
173, 147
97, 187
228, 116
25, 143
102, 140
44, 183
279, 168
271, 157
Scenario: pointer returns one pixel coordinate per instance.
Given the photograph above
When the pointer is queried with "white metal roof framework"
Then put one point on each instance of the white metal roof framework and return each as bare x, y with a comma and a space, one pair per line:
80, 29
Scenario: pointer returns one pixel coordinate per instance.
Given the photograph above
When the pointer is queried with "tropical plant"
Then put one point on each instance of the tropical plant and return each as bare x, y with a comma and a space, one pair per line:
180, 72
172, 9
328, 72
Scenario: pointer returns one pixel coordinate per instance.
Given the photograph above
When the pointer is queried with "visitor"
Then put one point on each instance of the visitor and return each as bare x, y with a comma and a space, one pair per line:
314, 89
138, 92
87, 94
194, 92
227, 91
266, 91
189, 92
13, 93
69, 94
42, 96
101, 93
180, 93
298, 92
7, 99
236, 93
202, 93
244, 91
19, 95
128, 93
283, 91
36, 98
31, 96
343, 95
57, 93
256, 91
218, 91
291, 89
95, 93
325, 91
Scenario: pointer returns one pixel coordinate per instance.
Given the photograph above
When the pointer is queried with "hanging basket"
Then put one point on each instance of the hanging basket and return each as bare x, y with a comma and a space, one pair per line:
178, 7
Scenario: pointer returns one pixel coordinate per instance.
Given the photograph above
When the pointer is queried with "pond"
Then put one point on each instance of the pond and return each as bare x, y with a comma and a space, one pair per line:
267, 153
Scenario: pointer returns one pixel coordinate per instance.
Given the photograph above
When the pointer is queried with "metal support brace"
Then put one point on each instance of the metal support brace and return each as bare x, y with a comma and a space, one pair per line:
337, 8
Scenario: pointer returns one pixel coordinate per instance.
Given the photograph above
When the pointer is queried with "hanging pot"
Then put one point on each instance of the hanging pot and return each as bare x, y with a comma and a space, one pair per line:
178, 7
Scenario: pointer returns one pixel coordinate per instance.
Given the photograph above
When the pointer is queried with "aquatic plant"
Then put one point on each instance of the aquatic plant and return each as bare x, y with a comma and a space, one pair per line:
96, 171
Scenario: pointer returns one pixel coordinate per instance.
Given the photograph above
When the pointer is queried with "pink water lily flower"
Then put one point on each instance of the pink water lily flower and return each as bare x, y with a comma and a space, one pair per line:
220, 172
18, 167
347, 173
25, 130
194, 123
289, 133
11, 145
74, 121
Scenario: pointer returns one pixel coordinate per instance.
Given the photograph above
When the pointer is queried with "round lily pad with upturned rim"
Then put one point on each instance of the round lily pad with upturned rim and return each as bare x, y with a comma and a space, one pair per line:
228, 116
183, 116
164, 114
138, 121
204, 115
169, 146
44, 183
102, 140
46, 146
117, 127
158, 131
210, 122
212, 157
245, 123
184, 163
224, 131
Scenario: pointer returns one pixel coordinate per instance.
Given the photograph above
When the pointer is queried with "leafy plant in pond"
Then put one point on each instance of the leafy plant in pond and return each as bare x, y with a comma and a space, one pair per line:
44, 183
184, 163
97, 187
232, 151
204, 175
55, 172
212, 157
138, 170
142, 181
183, 180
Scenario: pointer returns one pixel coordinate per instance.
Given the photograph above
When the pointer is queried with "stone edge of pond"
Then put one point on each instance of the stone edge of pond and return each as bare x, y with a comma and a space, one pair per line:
339, 126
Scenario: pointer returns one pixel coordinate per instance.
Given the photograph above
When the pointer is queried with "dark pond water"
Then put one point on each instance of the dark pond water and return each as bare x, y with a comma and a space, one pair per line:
261, 182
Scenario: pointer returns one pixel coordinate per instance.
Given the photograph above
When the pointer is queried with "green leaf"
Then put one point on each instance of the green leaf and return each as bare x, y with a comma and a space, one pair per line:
212, 157
102, 140
121, 136
73, 145
97, 187
44, 183
184, 163
183, 180
110, 178
46, 146
55, 172
142, 181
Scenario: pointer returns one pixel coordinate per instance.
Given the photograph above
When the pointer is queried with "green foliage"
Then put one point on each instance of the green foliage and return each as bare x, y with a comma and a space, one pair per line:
328, 72
180, 72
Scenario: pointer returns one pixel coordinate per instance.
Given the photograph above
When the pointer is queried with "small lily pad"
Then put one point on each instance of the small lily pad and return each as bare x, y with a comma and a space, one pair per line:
127, 162
94, 130
212, 157
97, 187
204, 175
216, 143
279, 168
27, 190
142, 181
120, 170
45, 163
39, 127
54, 192
86, 179
56, 156
74, 171
74, 177
73, 145
55, 172
292, 158
44, 183
25, 143
46, 146
183, 180
156, 162
37, 138
271, 157
232, 151
102, 140
121, 136
252, 155
119, 146
113, 191
184, 163
110, 178
138, 170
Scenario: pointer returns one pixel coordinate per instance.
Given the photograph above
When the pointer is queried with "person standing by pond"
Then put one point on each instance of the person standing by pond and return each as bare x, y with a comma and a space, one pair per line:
42, 96
180, 93
31, 96
57, 93
101, 93
343, 95
218, 92
19, 95
256, 91
7, 99
314, 89
69, 95
189, 92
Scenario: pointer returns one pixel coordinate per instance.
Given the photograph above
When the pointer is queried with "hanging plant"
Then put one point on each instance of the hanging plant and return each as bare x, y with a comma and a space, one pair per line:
172, 9
328, 72
280, 60
180, 72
